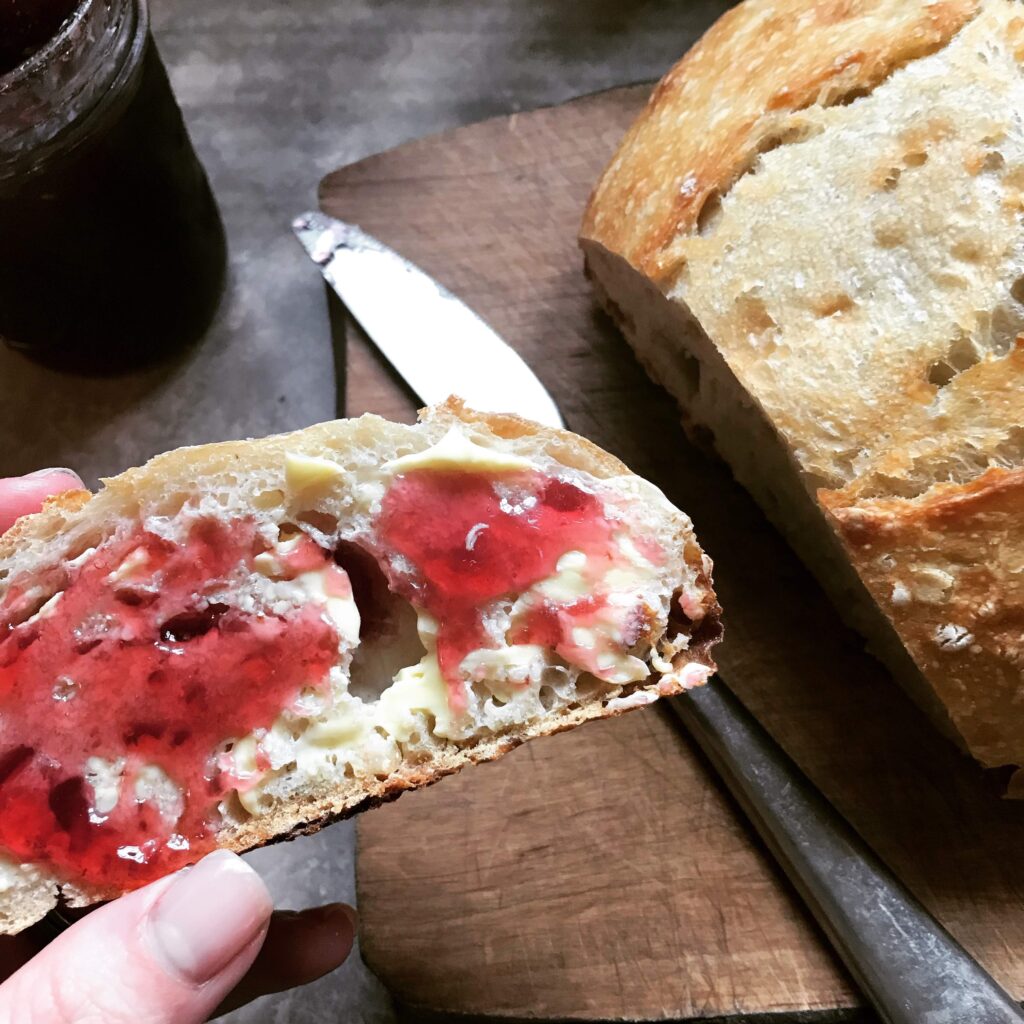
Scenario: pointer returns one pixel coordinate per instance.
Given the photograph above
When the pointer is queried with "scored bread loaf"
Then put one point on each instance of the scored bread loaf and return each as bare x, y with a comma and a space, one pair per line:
241, 642
812, 236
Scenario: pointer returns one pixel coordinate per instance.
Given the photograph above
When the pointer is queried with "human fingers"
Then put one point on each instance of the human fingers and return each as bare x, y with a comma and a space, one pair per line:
165, 954
299, 948
20, 495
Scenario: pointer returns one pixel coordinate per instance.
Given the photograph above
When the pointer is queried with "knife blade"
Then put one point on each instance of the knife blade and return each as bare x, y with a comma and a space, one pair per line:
909, 968
436, 342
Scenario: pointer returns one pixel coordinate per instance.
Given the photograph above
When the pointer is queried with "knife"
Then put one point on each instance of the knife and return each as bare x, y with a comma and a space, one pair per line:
909, 968
437, 344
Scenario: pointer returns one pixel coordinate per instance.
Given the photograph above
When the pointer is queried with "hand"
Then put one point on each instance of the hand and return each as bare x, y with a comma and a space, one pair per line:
201, 941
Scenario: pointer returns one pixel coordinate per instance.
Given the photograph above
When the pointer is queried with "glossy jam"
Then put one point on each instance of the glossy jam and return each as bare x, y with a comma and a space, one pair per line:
472, 538
138, 669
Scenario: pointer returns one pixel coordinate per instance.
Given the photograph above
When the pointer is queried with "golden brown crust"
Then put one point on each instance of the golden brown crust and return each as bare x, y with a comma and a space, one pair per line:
948, 567
55, 511
849, 324
731, 98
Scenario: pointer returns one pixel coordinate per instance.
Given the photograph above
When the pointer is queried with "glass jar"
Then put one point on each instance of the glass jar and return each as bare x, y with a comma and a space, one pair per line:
113, 251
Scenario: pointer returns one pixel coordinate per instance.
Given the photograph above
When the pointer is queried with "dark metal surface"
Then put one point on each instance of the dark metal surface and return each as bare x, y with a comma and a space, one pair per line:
907, 965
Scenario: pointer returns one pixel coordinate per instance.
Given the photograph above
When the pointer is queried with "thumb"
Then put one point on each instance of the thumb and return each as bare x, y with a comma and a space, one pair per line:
165, 954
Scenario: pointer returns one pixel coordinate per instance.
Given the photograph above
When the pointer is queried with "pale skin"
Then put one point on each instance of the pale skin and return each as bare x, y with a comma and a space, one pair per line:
199, 942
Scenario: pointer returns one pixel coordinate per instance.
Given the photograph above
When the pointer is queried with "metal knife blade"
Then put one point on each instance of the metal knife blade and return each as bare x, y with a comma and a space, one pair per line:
437, 343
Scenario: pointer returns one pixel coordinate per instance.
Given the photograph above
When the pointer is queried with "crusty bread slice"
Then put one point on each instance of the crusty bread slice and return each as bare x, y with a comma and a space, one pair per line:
813, 237
327, 483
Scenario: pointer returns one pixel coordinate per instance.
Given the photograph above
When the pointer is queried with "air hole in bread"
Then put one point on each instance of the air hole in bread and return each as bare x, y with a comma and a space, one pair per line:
892, 179
388, 638
710, 213
940, 373
994, 162
786, 137
1017, 290
589, 687
851, 96
753, 317
833, 304
688, 369
322, 521
968, 250
191, 624
962, 356
546, 696
268, 499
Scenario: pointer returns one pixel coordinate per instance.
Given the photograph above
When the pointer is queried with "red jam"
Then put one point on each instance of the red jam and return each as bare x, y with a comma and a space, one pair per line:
141, 669
472, 538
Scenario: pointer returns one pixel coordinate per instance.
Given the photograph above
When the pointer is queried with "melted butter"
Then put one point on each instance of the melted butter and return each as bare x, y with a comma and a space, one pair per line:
340, 608
569, 582
599, 634
153, 785
309, 472
456, 451
604, 596
138, 559
105, 778
507, 669
327, 586
416, 688
48, 607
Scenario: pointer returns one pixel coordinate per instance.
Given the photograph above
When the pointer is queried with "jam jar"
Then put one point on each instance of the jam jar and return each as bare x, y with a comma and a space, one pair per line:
113, 252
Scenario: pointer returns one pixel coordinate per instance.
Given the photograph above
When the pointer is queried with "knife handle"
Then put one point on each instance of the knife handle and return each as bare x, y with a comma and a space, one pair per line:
909, 968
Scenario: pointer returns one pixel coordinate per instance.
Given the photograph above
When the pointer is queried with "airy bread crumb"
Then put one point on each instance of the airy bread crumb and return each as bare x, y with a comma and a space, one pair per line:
817, 247
325, 483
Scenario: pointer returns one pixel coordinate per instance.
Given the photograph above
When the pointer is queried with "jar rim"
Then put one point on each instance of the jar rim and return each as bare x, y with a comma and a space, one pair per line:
48, 50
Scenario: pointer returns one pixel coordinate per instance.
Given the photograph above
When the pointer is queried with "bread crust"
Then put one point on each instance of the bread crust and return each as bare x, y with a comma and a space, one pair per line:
731, 97
58, 531
946, 567
802, 158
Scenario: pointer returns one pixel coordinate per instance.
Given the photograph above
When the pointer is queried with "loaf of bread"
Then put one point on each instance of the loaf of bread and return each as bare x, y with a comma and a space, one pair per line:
239, 643
812, 236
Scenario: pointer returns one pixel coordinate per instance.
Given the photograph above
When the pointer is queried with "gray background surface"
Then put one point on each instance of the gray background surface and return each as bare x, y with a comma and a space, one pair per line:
276, 94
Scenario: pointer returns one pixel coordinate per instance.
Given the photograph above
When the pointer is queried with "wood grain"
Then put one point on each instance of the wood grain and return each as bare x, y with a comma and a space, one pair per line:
603, 875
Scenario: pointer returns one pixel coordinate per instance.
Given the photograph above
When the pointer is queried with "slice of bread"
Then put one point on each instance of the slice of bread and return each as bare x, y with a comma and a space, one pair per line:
380, 604
813, 237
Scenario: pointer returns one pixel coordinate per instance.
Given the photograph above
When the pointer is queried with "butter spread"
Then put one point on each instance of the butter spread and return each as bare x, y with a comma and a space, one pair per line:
307, 472
587, 607
456, 451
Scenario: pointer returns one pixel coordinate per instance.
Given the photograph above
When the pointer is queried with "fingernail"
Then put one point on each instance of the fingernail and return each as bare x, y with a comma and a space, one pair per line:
350, 913
340, 915
207, 916
53, 471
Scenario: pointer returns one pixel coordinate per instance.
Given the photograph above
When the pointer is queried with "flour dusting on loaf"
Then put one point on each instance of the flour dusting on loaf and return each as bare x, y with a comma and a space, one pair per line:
842, 310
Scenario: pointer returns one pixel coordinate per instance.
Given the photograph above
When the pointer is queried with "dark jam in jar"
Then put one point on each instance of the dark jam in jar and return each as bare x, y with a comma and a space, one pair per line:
27, 25
114, 252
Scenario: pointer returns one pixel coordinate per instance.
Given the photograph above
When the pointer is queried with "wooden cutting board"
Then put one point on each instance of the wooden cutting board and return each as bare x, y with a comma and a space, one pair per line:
603, 875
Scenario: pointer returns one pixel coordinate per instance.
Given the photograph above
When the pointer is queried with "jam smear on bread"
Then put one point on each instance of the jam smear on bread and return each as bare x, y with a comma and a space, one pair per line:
145, 675
139, 697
